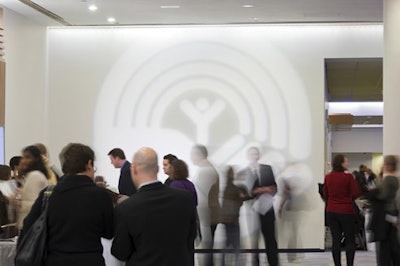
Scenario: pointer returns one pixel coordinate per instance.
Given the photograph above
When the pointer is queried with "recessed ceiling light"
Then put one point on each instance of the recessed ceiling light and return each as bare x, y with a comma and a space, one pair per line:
169, 6
248, 6
92, 7
111, 20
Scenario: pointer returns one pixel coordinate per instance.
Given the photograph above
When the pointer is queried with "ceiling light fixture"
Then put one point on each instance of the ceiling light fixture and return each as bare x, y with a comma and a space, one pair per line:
111, 20
169, 6
92, 5
247, 6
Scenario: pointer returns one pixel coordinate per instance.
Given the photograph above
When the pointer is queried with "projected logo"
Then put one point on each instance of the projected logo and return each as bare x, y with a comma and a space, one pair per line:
172, 95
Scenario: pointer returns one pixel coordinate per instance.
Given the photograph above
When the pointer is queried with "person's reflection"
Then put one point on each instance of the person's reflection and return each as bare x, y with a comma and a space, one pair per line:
206, 183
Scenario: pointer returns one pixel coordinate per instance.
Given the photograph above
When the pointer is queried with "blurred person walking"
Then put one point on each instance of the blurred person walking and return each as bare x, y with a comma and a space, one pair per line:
384, 223
340, 192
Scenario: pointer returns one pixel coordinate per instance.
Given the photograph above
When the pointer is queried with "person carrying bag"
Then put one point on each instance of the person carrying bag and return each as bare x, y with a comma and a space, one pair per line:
31, 248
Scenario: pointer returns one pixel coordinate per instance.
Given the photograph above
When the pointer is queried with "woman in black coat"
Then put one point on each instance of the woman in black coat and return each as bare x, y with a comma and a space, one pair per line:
79, 212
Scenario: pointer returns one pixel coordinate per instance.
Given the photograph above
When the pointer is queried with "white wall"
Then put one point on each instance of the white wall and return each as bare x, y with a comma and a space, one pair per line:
125, 86
102, 83
368, 140
25, 55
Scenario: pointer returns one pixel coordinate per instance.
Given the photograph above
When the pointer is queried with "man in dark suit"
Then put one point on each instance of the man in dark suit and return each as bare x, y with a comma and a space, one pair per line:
125, 184
157, 225
264, 189
167, 167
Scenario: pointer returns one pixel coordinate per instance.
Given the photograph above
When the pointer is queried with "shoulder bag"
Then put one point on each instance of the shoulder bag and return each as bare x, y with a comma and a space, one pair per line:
32, 249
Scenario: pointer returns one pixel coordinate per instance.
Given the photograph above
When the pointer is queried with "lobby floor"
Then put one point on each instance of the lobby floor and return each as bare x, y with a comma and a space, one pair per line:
362, 258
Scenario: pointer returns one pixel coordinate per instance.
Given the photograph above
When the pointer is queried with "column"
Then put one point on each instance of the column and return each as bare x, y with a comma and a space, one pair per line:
391, 77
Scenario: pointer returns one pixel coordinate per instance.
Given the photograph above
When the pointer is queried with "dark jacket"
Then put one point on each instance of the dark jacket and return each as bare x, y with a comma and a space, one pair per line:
125, 184
155, 226
79, 214
383, 201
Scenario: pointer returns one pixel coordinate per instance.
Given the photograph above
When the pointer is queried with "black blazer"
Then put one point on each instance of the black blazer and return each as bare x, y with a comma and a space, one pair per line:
125, 185
266, 176
80, 213
155, 226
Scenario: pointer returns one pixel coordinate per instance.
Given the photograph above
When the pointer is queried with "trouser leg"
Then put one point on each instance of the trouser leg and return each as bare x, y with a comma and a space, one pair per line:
336, 232
268, 231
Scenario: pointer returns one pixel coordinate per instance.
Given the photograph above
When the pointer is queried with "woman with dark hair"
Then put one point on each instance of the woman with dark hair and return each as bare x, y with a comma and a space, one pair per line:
179, 175
16, 177
36, 179
79, 212
340, 191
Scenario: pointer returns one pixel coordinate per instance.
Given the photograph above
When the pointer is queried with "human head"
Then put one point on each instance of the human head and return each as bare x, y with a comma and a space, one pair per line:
77, 158
198, 153
363, 168
42, 148
339, 163
15, 164
144, 166
179, 169
117, 157
32, 160
253, 154
5, 172
167, 163
390, 163
100, 181
99, 178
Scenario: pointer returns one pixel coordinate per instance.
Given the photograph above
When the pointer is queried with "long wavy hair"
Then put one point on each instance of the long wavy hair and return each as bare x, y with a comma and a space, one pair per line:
37, 163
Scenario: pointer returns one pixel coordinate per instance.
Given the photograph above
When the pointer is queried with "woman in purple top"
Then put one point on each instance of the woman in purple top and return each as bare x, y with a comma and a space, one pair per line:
179, 174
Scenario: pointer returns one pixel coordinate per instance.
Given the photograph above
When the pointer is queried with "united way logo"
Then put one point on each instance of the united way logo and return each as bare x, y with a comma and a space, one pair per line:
171, 96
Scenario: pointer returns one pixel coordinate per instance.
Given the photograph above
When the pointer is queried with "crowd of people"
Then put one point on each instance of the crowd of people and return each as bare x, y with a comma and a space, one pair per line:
348, 195
146, 222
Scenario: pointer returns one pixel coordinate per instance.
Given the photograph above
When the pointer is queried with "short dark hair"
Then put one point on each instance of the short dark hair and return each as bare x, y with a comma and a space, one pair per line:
202, 149
117, 152
74, 158
170, 157
390, 161
14, 162
5, 172
99, 178
337, 162
179, 169
38, 162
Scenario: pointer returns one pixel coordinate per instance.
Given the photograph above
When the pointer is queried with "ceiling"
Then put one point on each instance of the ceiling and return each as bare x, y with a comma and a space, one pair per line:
167, 12
354, 79
348, 80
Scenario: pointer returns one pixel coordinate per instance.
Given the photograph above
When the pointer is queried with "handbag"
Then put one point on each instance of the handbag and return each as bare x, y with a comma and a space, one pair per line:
31, 251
